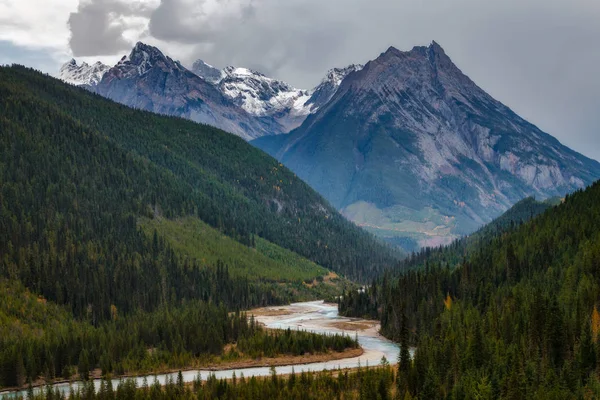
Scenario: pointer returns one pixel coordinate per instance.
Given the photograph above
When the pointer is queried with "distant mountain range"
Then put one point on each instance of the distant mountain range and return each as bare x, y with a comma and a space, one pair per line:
406, 146
239, 100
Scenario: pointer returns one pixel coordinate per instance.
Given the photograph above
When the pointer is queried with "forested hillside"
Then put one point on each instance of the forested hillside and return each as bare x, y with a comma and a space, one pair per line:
515, 318
154, 165
452, 254
39, 339
92, 198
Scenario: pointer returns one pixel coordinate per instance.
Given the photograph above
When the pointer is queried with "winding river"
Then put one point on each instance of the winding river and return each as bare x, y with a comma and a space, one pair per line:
315, 316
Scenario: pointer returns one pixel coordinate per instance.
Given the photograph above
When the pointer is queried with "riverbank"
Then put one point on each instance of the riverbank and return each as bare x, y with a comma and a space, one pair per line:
317, 317
282, 360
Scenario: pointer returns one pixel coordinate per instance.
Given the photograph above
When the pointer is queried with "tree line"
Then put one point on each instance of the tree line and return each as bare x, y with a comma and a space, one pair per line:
366, 383
69, 151
45, 341
516, 317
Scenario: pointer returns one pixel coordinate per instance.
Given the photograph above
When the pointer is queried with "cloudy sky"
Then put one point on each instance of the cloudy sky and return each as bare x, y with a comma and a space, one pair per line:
540, 57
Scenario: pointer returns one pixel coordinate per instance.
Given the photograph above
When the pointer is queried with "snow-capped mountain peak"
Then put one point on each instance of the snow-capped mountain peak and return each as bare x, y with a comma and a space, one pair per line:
335, 76
143, 58
207, 72
260, 95
84, 74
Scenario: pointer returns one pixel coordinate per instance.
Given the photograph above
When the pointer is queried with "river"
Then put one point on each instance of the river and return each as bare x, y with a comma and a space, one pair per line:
315, 316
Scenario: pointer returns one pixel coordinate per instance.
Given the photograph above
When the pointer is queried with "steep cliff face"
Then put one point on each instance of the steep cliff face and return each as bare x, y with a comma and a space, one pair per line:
412, 149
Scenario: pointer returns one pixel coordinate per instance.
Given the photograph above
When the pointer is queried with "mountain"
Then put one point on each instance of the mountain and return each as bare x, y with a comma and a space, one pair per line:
262, 96
207, 72
239, 100
84, 74
412, 149
268, 98
149, 80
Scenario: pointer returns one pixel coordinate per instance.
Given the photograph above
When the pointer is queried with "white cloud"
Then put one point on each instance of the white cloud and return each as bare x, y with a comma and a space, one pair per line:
37, 24
106, 27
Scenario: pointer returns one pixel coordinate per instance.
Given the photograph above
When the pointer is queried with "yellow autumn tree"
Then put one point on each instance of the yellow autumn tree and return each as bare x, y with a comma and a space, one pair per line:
113, 312
595, 324
448, 302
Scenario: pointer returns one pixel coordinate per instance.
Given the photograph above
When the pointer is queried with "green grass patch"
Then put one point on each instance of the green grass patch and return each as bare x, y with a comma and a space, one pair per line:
267, 261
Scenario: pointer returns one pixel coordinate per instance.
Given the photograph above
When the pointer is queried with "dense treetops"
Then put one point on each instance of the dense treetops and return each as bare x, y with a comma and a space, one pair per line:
365, 383
516, 317
87, 188
156, 165
41, 339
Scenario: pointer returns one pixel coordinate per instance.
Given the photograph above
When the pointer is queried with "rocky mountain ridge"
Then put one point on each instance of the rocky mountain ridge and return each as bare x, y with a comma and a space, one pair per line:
406, 146
412, 149
84, 74
248, 103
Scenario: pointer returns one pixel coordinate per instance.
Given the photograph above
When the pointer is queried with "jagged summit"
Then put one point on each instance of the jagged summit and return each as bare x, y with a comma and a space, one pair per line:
143, 58
273, 106
84, 74
148, 79
261, 96
409, 145
434, 51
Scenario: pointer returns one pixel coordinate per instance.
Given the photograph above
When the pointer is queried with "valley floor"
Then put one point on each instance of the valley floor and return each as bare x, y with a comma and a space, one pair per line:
317, 316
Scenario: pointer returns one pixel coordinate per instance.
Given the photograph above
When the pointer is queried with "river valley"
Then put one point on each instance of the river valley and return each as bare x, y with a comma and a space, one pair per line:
314, 316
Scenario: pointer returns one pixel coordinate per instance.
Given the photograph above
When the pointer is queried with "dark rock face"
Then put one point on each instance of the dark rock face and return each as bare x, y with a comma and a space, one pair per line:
149, 80
410, 147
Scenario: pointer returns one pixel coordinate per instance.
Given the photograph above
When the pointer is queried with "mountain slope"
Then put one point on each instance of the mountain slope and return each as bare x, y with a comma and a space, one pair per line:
409, 147
94, 250
239, 100
149, 80
189, 169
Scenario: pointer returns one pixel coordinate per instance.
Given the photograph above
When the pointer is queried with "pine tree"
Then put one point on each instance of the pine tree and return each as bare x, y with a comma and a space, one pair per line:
404, 361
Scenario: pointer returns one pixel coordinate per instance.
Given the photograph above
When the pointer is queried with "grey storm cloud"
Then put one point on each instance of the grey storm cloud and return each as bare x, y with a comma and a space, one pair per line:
97, 26
540, 57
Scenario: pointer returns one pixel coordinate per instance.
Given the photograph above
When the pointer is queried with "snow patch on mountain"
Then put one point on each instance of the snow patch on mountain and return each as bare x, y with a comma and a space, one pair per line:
83, 74
329, 85
260, 95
